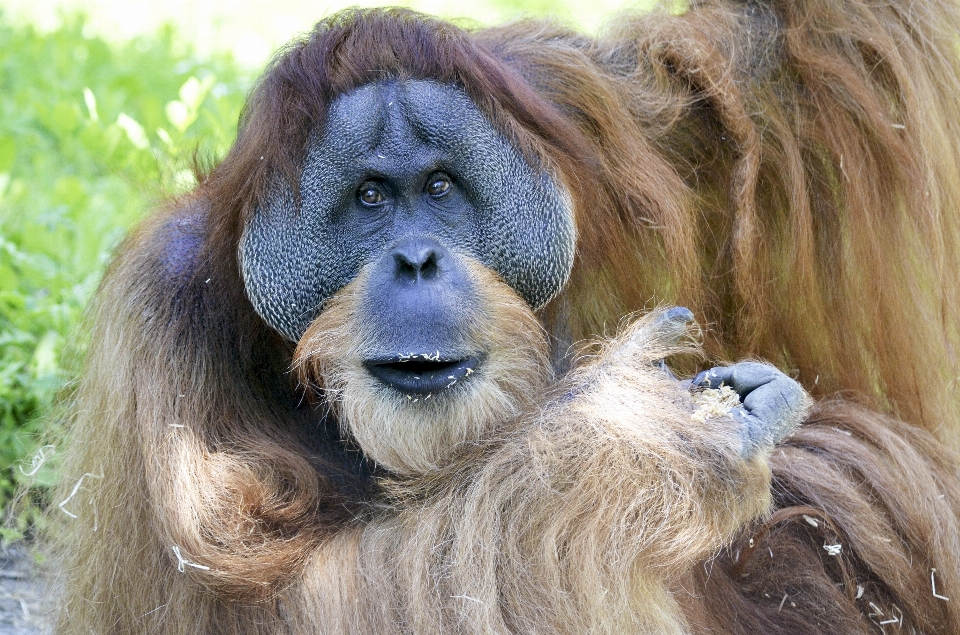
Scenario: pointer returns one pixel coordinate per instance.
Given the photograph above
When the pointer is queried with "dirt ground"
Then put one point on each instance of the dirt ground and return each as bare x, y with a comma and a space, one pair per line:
23, 610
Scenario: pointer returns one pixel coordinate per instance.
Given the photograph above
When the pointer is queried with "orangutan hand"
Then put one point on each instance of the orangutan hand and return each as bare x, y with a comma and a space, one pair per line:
772, 404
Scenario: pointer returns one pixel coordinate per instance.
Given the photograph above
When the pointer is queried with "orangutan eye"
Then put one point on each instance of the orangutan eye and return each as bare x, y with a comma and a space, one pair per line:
371, 195
438, 185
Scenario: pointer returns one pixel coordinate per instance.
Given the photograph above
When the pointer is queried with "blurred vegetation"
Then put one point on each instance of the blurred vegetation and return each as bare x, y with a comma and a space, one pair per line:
92, 134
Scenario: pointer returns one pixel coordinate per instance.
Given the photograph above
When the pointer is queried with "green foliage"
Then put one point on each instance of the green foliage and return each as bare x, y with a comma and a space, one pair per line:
92, 134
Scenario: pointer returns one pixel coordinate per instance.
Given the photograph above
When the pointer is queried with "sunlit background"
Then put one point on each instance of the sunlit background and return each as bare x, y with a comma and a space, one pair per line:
252, 29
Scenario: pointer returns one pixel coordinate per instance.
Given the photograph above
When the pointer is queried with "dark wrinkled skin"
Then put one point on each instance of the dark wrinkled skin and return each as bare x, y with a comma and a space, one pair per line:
396, 137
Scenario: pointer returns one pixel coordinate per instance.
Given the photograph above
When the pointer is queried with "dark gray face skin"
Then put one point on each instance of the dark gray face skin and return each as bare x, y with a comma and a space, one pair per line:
407, 177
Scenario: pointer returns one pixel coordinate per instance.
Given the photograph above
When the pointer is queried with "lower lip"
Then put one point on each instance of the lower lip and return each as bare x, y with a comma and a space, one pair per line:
422, 383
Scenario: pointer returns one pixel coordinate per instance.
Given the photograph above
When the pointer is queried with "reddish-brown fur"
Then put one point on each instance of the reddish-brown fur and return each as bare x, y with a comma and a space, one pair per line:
789, 171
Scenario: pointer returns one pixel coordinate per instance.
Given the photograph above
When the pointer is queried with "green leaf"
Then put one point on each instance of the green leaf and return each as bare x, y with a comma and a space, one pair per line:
134, 130
8, 152
91, 101
45, 355
179, 114
191, 93
64, 118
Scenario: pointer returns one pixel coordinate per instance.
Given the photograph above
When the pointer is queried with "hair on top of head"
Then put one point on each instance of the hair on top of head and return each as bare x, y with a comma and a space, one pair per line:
356, 47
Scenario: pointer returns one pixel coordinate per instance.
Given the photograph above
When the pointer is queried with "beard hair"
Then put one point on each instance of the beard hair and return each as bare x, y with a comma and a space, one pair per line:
414, 435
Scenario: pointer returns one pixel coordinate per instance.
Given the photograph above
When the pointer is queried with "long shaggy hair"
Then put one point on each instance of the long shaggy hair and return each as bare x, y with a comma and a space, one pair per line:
569, 518
788, 170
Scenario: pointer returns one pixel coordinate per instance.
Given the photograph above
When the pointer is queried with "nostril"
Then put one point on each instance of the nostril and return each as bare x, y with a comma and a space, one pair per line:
429, 268
406, 269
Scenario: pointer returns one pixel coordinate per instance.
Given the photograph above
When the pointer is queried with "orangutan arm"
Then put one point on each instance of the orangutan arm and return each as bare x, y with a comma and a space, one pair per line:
581, 515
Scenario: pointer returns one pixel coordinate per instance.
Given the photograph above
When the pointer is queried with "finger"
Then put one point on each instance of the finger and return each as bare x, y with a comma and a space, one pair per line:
673, 324
780, 403
744, 377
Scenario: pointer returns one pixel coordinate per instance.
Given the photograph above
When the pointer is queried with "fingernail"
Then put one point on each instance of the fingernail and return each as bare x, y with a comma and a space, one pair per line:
680, 314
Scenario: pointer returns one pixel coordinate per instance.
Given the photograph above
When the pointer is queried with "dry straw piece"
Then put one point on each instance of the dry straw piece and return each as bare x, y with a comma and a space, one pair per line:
714, 402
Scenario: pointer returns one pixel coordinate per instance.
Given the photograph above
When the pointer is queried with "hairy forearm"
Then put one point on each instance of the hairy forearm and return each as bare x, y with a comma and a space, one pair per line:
609, 487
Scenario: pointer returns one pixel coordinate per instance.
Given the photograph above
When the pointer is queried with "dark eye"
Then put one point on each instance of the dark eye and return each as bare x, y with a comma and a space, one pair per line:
371, 195
438, 185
